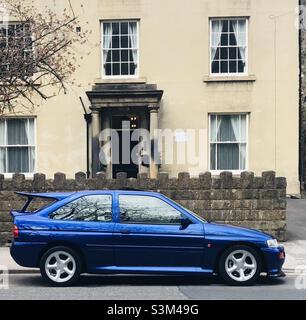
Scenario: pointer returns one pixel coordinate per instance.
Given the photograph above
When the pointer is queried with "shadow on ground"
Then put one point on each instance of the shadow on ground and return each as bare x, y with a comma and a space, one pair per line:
143, 280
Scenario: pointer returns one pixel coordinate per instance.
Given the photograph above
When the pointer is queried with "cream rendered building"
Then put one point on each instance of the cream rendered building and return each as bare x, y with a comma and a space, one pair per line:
226, 67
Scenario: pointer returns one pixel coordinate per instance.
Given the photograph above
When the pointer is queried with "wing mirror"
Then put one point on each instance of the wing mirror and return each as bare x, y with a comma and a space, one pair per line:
185, 223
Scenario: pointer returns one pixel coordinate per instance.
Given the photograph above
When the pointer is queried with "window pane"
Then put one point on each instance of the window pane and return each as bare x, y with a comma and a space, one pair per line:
226, 128
108, 55
242, 26
215, 68
224, 66
108, 69
124, 42
17, 132
224, 53
233, 40
233, 26
241, 66
116, 69
115, 42
125, 69
115, 28
149, 210
242, 156
228, 157
213, 164
116, 55
18, 160
243, 130
124, 28
132, 68
124, 55
233, 66
2, 160
233, 53
96, 208
224, 25
224, 39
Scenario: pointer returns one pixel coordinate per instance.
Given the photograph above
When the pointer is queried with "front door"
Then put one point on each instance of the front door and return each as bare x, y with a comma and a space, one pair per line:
150, 234
124, 145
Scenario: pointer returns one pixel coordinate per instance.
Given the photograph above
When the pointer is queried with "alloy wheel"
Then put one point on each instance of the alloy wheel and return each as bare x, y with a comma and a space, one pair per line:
60, 266
241, 265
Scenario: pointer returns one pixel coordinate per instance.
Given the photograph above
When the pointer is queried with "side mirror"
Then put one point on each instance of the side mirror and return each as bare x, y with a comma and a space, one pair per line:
185, 223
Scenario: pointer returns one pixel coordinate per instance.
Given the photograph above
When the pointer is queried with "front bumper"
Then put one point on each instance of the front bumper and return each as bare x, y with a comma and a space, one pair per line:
274, 260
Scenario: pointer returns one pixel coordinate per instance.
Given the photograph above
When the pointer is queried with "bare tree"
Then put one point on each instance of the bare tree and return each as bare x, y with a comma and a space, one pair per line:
37, 51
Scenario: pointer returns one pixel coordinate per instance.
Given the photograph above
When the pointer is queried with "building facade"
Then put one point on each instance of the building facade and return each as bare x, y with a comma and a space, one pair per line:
228, 70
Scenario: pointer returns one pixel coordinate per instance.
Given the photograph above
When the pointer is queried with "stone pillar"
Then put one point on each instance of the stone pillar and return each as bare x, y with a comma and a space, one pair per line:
95, 131
154, 141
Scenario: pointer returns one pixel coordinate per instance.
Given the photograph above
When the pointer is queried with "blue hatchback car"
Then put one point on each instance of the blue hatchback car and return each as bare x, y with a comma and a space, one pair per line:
100, 232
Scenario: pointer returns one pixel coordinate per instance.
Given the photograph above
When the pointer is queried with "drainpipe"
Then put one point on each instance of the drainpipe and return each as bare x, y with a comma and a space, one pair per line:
88, 118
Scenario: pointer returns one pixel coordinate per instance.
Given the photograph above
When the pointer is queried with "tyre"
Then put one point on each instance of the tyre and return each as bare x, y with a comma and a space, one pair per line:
240, 265
60, 266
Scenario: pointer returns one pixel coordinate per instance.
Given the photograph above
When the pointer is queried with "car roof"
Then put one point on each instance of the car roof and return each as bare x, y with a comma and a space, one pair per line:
63, 195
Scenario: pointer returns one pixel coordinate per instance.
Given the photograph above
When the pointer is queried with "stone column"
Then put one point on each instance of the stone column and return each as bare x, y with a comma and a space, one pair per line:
95, 131
154, 141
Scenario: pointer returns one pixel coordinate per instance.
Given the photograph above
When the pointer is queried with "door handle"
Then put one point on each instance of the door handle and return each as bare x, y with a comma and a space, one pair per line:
125, 232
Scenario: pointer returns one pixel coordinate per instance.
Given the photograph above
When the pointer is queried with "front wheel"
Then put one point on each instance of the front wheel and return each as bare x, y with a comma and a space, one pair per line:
60, 266
240, 265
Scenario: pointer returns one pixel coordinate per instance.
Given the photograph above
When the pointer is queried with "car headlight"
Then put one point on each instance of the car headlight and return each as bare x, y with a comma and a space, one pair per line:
272, 243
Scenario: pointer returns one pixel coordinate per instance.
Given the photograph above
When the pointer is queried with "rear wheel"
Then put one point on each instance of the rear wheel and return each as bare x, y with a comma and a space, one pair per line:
60, 266
240, 265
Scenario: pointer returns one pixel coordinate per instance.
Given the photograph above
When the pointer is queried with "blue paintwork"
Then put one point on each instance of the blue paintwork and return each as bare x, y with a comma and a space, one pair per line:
115, 247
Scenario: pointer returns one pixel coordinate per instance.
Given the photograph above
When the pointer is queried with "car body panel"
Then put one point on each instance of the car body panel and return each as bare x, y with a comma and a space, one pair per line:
114, 247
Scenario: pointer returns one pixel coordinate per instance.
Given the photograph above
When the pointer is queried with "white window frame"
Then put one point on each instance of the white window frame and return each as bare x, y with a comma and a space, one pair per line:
112, 77
27, 174
235, 172
229, 74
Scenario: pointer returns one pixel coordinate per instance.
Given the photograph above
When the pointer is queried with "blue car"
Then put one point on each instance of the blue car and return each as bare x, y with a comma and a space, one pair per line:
135, 232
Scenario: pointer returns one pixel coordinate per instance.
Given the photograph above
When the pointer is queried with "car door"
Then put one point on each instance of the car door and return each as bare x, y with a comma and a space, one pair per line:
149, 233
87, 222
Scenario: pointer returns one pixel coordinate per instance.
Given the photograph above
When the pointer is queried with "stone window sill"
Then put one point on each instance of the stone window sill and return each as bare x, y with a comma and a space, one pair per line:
211, 79
121, 81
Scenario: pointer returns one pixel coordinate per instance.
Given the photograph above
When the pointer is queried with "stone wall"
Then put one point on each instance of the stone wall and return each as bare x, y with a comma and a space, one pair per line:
255, 202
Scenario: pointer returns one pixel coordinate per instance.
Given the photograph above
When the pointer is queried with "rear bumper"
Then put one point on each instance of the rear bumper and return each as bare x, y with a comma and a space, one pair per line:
274, 260
27, 254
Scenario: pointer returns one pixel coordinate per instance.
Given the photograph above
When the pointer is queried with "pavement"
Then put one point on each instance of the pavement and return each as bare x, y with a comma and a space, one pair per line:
143, 287
295, 246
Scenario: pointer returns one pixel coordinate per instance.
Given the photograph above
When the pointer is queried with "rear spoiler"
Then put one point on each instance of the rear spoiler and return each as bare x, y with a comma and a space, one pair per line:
56, 196
31, 196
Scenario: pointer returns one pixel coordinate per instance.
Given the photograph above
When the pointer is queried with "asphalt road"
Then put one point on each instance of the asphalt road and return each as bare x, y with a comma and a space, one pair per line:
296, 219
31, 287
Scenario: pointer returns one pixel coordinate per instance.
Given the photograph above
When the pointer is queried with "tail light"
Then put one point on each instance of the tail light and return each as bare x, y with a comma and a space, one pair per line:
15, 232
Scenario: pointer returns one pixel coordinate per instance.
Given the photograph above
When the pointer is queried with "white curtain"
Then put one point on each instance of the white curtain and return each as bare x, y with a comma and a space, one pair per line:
107, 38
215, 128
240, 34
235, 122
2, 133
134, 41
217, 27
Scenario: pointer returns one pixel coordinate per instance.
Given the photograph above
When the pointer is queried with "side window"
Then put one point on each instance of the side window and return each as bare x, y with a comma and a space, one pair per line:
147, 210
95, 208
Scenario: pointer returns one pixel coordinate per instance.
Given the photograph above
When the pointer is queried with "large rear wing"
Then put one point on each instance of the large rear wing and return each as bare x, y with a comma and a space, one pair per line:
52, 197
